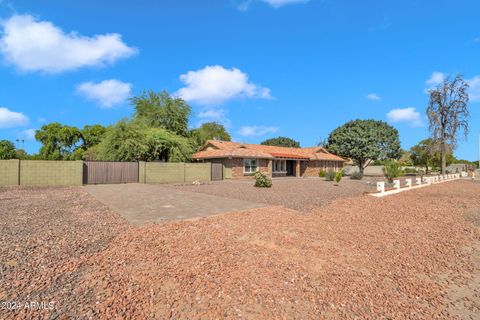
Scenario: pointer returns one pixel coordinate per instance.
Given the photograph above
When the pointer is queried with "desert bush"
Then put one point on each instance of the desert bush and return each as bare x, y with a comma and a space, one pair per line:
338, 176
330, 175
322, 173
262, 180
410, 170
356, 176
392, 170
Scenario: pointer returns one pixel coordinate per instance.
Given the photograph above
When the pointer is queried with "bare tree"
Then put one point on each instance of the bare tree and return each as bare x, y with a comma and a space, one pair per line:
448, 114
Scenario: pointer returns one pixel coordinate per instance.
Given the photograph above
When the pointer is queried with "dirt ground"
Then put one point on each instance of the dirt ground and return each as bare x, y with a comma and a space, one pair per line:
412, 255
301, 194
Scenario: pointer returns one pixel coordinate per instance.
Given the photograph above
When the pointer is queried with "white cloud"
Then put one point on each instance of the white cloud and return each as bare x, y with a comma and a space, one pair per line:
249, 131
216, 115
10, 119
436, 78
34, 45
28, 134
215, 85
373, 96
280, 3
409, 115
212, 114
244, 5
473, 83
106, 93
474, 89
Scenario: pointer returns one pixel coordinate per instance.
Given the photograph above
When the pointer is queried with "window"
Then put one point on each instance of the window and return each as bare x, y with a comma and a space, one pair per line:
280, 166
249, 165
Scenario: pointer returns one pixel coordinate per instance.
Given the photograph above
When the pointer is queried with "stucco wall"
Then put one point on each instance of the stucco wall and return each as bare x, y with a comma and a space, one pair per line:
160, 172
51, 173
9, 172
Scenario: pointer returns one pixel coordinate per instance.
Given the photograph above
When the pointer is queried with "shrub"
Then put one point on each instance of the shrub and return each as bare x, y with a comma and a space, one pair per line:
410, 170
356, 176
330, 175
322, 173
262, 180
338, 176
392, 170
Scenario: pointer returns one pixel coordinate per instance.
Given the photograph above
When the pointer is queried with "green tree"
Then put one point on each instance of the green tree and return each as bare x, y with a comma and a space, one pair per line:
448, 114
59, 142
209, 131
21, 154
132, 141
160, 110
281, 142
7, 150
92, 135
427, 154
365, 140
405, 158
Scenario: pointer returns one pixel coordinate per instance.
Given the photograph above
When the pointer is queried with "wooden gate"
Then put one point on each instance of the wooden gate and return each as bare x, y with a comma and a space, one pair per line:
99, 172
217, 171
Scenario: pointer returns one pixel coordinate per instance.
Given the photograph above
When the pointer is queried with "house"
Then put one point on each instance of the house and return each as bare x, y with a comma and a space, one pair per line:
241, 160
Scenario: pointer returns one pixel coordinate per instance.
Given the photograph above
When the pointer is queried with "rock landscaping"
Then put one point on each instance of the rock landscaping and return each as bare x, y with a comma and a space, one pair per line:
299, 194
413, 255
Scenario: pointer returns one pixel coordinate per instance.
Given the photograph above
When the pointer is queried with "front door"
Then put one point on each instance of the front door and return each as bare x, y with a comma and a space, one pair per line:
290, 168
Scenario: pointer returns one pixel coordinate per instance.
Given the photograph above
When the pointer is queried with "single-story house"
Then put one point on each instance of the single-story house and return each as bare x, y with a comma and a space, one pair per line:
241, 160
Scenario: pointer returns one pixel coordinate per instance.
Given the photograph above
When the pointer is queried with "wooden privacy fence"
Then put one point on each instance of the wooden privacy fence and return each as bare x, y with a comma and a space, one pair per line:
104, 172
217, 171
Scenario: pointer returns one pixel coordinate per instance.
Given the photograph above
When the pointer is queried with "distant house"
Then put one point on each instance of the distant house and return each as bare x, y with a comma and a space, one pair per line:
241, 160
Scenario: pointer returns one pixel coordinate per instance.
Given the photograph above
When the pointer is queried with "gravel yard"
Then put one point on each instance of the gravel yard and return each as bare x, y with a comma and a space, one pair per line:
412, 255
301, 194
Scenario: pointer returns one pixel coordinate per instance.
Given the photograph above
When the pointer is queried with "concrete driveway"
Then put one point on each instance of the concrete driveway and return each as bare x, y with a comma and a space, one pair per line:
141, 204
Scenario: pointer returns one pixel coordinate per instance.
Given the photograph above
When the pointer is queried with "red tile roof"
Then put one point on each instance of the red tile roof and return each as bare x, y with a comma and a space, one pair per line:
228, 149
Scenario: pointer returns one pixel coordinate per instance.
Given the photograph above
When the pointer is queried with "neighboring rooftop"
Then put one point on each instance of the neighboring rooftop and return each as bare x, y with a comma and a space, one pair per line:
228, 149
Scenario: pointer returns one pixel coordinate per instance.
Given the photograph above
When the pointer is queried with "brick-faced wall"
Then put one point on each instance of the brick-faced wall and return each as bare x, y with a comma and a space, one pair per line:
51, 173
311, 168
9, 172
263, 165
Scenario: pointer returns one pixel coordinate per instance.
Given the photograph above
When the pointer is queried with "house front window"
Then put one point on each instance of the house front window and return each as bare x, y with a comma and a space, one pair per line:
249, 165
280, 166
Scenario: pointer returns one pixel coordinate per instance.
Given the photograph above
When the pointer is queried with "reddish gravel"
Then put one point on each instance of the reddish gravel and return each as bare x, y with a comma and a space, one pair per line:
45, 234
298, 194
411, 255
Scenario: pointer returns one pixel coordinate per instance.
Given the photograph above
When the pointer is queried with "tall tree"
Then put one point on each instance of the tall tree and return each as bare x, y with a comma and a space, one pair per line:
281, 142
209, 131
448, 114
133, 141
161, 110
427, 154
59, 142
7, 150
92, 135
365, 140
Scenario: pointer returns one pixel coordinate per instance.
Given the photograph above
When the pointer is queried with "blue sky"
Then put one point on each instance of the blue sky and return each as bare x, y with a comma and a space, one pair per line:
262, 67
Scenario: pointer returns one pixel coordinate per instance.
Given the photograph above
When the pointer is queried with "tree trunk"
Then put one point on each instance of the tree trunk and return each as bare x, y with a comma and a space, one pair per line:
444, 156
360, 167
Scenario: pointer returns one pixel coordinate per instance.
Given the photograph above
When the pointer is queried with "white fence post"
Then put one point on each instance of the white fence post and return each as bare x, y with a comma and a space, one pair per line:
381, 187
396, 184
408, 183
418, 181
